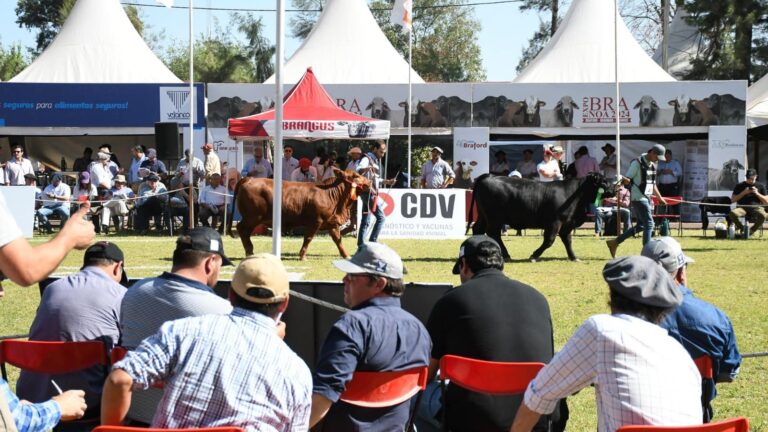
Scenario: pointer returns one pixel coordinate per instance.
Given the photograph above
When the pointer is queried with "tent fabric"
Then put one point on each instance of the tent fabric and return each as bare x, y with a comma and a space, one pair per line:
309, 114
582, 50
685, 44
346, 46
757, 103
97, 44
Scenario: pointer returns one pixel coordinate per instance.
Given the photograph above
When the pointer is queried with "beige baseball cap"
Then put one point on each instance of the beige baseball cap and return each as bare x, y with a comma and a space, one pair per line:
261, 278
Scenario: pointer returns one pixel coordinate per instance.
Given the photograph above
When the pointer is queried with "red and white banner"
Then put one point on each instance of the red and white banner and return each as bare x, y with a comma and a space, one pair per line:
422, 214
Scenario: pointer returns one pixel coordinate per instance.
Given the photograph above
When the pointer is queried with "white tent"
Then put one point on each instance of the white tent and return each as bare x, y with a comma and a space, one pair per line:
757, 103
97, 44
346, 46
685, 44
582, 50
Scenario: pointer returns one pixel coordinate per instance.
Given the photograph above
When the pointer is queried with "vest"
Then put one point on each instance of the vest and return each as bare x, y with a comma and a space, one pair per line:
647, 177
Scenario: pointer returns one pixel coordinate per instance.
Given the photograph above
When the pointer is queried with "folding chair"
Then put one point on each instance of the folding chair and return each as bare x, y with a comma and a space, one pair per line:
140, 429
384, 389
662, 212
737, 424
704, 364
52, 357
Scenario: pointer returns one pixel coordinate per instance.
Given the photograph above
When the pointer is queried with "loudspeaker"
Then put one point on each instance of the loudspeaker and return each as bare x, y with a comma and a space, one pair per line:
168, 141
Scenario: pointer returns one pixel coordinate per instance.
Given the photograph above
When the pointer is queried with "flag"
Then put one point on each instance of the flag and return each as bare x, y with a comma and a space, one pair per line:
166, 3
402, 14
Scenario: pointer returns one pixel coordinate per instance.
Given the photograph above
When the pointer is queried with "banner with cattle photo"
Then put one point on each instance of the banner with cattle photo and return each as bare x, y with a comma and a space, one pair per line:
470, 155
422, 214
727, 160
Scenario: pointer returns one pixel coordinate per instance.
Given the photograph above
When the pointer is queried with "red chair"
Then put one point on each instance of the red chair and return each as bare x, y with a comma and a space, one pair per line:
738, 424
662, 212
704, 364
118, 353
140, 429
52, 357
384, 389
498, 378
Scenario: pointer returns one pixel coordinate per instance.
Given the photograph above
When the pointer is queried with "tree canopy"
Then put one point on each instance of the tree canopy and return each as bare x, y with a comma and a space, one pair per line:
12, 61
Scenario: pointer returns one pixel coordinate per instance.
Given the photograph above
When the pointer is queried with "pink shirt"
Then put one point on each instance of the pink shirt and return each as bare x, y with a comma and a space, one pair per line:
585, 165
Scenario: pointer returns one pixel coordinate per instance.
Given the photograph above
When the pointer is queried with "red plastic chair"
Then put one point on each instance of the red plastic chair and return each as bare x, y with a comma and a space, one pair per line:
672, 201
140, 429
704, 364
118, 353
738, 424
497, 378
52, 357
384, 389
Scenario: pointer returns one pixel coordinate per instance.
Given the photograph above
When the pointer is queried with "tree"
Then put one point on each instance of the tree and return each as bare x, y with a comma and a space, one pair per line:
258, 50
12, 61
547, 29
445, 45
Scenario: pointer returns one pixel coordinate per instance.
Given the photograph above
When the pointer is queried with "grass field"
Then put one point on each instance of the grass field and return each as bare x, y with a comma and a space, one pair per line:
730, 274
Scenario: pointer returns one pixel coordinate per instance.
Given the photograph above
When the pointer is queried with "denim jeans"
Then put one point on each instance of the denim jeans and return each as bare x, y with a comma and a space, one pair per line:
44, 212
601, 217
643, 213
368, 201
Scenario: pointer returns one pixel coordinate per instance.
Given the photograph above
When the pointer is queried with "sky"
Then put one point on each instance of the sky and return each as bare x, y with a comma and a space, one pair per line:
505, 30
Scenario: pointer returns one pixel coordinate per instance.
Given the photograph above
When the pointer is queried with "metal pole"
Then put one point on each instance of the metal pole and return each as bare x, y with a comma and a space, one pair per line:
617, 106
192, 99
408, 114
277, 204
665, 35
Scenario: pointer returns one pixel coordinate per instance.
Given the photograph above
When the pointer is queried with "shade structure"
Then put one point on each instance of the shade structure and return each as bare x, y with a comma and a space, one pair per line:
309, 114
757, 103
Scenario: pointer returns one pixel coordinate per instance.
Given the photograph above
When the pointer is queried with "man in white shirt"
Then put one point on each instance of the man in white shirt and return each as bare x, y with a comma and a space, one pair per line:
212, 162
289, 162
354, 155
527, 167
211, 201
257, 166
17, 167
641, 375
549, 168
436, 173
101, 175
55, 201
118, 204
182, 169
305, 172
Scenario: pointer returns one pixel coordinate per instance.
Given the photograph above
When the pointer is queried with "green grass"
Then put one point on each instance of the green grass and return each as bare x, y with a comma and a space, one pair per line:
730, 274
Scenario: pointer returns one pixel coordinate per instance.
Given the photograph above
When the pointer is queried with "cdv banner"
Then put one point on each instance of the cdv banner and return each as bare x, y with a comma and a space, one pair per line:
422, 214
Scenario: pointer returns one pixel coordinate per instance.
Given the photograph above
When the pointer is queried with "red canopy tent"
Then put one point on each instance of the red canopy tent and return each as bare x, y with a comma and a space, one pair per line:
309, 114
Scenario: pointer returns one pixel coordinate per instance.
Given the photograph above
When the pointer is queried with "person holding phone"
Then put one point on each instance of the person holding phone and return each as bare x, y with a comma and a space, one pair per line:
749, 196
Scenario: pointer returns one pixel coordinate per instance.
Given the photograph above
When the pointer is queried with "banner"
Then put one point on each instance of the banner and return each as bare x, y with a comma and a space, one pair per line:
727, 159
470, 155
421, 214
20, 201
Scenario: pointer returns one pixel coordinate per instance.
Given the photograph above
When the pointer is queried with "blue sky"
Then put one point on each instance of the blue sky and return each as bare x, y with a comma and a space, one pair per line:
505, 30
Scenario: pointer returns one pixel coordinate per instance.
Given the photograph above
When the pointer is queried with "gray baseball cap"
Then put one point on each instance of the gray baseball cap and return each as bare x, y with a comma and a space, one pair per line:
659, 149
640, 279
373, 258
667, 252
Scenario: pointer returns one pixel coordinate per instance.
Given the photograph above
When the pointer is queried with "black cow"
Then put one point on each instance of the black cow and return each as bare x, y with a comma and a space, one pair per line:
556, 207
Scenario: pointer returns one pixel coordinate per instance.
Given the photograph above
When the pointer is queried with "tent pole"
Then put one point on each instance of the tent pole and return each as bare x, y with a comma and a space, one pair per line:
277, 204
617, 103
408, 104
192, 102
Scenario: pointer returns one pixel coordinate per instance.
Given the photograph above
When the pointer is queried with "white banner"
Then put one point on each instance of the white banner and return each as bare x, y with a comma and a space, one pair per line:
727, 159
470, 155
174, 104
422, 214
21, 204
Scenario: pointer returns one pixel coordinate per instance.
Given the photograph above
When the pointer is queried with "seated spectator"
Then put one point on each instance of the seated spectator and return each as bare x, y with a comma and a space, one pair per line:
702, 328
607, 210
201, 362
376, 335
179, 201
152, 165
257, 166
55, 202
212, 199
31, 180
84, 190
305, 172
749, 195
640, 374
119, 201
151, 203
82, 307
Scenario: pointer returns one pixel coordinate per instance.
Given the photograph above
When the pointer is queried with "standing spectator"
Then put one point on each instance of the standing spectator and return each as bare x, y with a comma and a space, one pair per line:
289, 162
118, 203
549, 168
82, 164
305, 172
670, 173
17, 167
749, 195
355, 156
183, 292
702, 328
152, 165
101, 175
641, 375
151, 203
212, 198
641, 178
488, 317
81, 307
257, 166
436, 173
585, 163
212, 163
500, 165
328, 164
114, 163
55, 201
608, 163
198, 169
527, 167
376, 335
370, 167
138, 158
321, 154
201, 362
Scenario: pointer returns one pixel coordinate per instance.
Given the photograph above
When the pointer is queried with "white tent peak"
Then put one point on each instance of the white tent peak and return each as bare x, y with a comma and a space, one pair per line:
757, 103
97, 44
346, 46
582, 50
685, 44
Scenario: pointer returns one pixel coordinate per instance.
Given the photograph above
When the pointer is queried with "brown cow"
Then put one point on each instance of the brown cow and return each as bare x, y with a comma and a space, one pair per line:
312, 206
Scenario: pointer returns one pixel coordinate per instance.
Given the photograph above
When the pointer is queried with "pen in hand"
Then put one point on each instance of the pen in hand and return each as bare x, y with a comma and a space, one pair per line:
58, 389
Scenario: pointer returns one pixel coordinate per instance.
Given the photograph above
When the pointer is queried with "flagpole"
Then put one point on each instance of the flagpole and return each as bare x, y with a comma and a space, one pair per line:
408, 105
192, 103
277, 204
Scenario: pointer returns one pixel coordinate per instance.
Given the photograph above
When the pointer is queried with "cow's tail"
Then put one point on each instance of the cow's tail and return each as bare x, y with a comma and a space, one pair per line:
234, 207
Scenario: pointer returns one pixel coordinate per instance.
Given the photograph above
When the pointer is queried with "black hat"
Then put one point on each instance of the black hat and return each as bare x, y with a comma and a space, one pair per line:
641, 280
106, 250
582, 150
751, 172
608, 145
30, 176
471, 246
204, 239
152, 177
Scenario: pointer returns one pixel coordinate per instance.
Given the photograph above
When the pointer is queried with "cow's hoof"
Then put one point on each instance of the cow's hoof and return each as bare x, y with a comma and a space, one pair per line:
533, 259
575, 260
303, 258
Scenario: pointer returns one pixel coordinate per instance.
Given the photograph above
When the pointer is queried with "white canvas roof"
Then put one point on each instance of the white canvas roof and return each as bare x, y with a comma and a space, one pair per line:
97, 44
581, 51
685, 44
757, 103
346, 46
